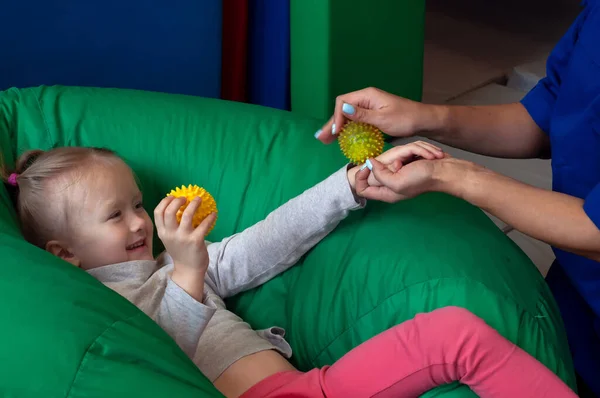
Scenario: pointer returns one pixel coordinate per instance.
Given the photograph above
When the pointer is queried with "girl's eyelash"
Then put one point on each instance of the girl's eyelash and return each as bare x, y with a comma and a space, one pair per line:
115, 215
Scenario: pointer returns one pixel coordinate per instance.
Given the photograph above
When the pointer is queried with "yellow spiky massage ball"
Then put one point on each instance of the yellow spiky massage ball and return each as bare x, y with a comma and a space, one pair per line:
207, 206
360, 141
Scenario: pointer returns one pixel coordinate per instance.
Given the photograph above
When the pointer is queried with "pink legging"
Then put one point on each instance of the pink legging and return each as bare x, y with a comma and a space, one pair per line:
446, 345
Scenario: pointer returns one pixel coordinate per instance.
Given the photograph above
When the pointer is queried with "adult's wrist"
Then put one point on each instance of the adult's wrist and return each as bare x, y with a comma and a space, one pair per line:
432, 120
455, 177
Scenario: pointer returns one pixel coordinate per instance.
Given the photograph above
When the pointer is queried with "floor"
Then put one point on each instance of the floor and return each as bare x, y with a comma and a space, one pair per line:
489, 53
471, 43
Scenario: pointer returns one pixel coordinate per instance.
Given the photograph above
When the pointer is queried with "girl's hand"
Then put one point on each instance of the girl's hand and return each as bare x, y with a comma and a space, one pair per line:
410, 171
395, 116
394, 159
184, 243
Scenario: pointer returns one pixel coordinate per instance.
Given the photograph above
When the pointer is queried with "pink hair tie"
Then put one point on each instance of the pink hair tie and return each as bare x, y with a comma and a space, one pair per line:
12, 179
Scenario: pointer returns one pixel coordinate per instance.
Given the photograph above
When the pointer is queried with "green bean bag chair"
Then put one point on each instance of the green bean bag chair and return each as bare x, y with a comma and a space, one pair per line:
66, 335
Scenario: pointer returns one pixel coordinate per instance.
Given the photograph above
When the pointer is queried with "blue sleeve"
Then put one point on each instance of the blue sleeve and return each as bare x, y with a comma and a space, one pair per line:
540, 101
592, 205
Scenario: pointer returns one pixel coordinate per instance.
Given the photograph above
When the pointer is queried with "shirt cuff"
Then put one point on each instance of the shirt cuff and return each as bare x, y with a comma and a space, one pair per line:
182, 298
350, 200
592, 205
539, 102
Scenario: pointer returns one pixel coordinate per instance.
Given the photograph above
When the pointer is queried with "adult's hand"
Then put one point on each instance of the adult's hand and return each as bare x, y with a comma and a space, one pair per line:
396, 116
396, 158
555, 218
393, 186
399, 175
506, 130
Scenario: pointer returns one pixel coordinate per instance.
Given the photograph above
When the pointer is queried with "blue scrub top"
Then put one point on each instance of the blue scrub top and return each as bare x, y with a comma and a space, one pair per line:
566, 105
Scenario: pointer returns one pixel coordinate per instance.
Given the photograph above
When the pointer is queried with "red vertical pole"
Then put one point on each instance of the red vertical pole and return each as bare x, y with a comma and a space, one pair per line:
235, 50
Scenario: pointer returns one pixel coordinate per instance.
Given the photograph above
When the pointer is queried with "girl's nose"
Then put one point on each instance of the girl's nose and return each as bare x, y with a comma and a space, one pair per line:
138, 223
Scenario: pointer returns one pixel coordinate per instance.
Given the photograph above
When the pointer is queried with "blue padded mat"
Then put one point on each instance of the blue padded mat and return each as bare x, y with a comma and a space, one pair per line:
269, 53
158, 45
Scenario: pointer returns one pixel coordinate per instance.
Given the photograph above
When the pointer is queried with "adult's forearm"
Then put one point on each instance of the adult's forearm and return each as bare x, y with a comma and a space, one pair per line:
496, 130
551, 217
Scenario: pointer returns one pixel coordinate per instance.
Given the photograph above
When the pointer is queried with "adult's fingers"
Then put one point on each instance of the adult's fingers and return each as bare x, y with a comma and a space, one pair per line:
361, 181
346, 109
394, 167
383, 174
361, 106
437, 151
407, 153
352, 100
324, 133
355, 105
365, 179
422, 151
373, 192
382, 194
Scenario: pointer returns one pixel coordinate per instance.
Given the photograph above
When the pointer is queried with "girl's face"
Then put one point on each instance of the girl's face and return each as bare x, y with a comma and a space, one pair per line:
108, 223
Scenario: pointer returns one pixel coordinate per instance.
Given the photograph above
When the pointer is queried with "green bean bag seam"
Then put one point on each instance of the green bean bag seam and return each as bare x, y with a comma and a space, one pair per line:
523, 310
43, 116
84, 358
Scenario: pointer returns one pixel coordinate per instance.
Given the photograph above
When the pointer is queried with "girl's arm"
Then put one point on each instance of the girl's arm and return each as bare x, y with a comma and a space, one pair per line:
182, 317
172, 308
252, 257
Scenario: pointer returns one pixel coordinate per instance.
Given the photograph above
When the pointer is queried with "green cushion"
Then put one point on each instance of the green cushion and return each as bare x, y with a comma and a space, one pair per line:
70, 336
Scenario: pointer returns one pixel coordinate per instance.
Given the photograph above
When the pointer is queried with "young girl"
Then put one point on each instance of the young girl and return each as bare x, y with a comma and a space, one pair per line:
183, 290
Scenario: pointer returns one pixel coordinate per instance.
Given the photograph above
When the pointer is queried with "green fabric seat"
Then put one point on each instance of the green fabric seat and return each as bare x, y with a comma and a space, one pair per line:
65, 335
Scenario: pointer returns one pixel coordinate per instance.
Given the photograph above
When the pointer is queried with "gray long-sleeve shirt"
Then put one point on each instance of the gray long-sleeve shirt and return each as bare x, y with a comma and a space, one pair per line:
211, 335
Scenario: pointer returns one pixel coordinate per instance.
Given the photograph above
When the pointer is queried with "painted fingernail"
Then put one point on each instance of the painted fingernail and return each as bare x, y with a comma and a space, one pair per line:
333, 129
318, 133
349, 109
369, 164
364, 166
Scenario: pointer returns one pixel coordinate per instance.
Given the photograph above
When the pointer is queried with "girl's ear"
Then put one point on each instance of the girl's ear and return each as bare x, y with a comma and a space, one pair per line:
60, 250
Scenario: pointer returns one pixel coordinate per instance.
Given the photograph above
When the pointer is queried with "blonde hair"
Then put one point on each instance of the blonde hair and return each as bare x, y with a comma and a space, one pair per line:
37, 172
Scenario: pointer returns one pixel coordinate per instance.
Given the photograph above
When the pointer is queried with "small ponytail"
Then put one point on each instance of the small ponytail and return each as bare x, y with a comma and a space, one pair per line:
30, 187
10, 178
27, 159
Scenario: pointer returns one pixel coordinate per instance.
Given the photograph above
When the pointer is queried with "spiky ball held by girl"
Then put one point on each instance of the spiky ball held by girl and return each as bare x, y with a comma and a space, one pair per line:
207, 206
